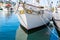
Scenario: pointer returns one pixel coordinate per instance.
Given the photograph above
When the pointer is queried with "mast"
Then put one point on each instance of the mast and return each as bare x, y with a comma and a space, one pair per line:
58, 3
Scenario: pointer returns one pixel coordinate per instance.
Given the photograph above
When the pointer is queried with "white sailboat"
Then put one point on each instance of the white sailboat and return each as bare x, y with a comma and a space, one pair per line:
32, 14
56, 16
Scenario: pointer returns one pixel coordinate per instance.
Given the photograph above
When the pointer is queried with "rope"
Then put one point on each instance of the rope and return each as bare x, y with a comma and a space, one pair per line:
20, 15
48, 26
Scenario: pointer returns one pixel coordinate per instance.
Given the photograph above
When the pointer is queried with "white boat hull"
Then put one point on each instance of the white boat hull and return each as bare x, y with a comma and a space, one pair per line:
30, 21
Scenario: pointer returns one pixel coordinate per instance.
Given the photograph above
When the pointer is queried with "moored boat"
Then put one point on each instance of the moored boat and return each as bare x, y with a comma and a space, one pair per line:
32, 14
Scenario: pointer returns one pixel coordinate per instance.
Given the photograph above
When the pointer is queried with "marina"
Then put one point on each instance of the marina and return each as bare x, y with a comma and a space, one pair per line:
29, 20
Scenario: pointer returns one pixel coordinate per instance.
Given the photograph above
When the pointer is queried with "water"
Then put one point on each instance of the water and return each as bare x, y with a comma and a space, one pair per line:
8, 27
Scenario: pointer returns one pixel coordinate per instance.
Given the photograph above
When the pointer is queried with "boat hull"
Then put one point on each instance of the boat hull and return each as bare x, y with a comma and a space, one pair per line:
30, 21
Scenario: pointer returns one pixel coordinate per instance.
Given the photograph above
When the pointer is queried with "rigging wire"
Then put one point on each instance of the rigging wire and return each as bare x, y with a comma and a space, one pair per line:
48, 26
20, 15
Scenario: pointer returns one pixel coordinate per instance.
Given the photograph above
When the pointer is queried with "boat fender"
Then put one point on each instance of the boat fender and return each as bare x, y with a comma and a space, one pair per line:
21, 11
29, 11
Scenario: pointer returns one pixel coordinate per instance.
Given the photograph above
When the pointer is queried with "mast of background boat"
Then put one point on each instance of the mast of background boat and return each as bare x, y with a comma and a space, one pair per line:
58, 4
51, 6
17, 6
48, 1
56, 7
8, 7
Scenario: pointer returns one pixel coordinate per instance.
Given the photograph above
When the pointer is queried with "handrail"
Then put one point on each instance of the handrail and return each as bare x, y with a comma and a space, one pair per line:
33, 5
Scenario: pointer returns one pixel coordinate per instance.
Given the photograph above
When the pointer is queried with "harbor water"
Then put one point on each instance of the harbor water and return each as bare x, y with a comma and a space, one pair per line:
8, 27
